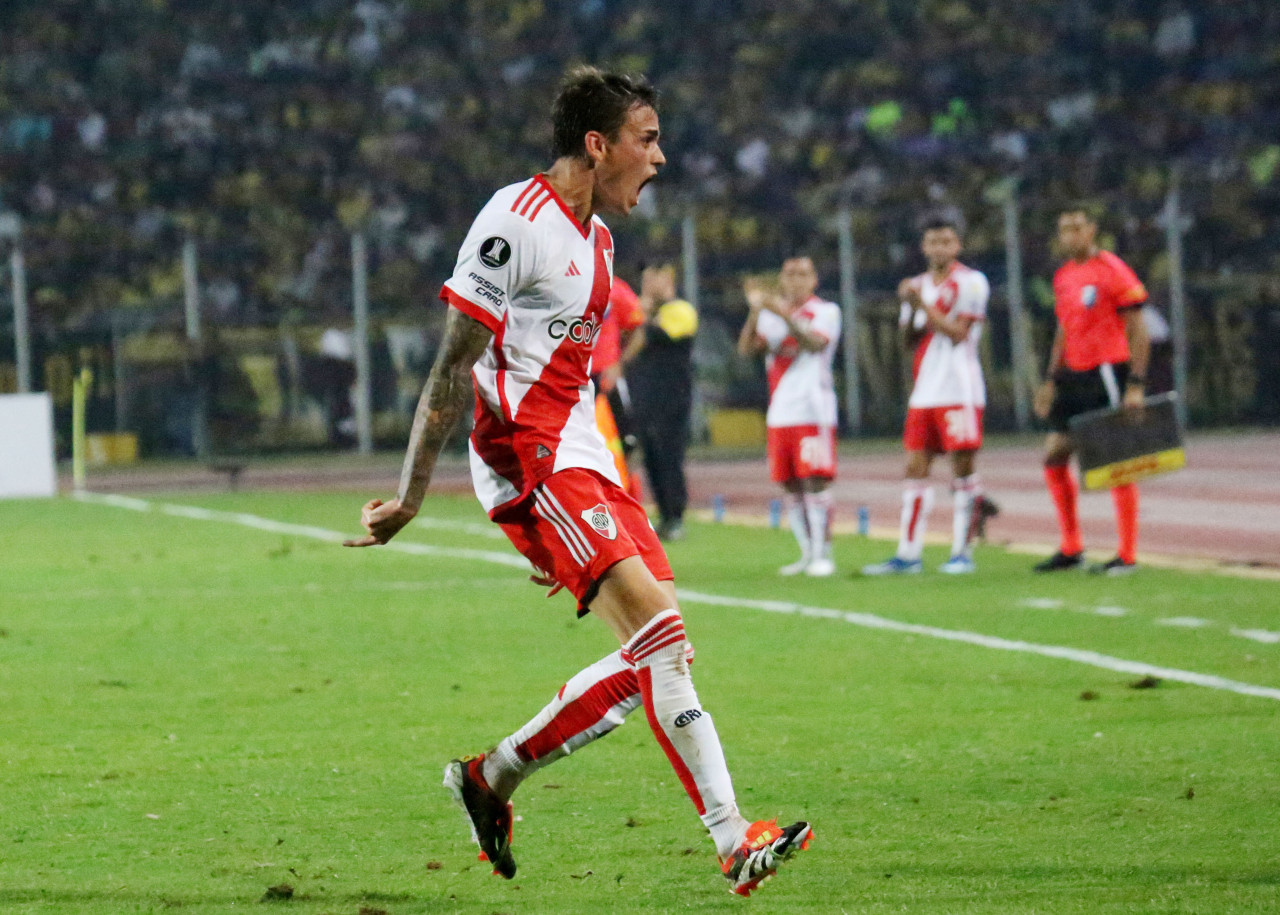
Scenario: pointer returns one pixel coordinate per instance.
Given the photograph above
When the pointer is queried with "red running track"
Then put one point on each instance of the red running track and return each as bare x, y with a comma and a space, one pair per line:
1223, 508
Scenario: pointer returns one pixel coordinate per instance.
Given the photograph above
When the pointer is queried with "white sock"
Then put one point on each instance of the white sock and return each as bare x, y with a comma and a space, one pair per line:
818, 514
917, 500
798, 515
685, 732
965, 491
594, 702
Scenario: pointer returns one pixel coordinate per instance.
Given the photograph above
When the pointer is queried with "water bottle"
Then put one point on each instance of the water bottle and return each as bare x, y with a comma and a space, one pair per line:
717, 507
864, 521
775, 513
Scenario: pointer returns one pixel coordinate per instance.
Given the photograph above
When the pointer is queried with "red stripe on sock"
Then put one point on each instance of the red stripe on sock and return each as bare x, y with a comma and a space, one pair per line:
649, 650
916, 505
580, 714
645, 642
677, 763
663, 620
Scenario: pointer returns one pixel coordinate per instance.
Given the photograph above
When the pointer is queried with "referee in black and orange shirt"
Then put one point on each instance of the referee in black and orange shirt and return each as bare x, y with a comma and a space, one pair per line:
1099, 359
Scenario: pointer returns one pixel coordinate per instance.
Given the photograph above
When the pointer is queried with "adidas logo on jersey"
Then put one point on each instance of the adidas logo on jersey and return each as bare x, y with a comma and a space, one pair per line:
573, 270
543, 451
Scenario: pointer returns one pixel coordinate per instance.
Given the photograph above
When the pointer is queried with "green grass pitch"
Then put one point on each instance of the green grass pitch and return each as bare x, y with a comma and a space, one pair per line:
196, 710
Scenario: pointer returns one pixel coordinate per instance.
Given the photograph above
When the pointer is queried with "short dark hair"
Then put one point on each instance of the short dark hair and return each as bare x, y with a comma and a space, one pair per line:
1090, 210
592, 99
931, 223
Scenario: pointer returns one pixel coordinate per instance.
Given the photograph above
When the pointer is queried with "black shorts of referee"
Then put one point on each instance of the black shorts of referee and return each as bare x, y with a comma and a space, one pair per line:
1079, 392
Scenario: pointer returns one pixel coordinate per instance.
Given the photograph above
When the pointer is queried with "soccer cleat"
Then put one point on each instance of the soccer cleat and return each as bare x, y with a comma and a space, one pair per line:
765, 846
1059, 562
958, 565
983, 511
894, 566
671, 530
1114, 567
795, 568
489, 815
821, 568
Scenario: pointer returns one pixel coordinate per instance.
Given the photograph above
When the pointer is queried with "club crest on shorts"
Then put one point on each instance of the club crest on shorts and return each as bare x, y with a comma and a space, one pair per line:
601, 521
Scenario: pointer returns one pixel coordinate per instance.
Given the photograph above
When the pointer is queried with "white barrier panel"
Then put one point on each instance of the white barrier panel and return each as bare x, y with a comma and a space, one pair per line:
26, 446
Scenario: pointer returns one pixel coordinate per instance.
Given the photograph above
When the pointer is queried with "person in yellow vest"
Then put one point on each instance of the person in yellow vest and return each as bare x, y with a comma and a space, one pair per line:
660, 375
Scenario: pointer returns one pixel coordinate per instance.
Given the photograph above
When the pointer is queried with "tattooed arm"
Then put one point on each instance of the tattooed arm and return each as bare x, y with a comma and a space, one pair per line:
445, 397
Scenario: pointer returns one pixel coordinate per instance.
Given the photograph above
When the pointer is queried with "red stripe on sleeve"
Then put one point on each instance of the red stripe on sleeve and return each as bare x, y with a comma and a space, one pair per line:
527, 188
538, 209
470, 309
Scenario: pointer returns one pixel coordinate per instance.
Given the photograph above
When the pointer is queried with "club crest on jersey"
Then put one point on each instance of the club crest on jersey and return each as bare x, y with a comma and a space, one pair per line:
543, 452
601, 521
1088, 296
577, 330
495, 251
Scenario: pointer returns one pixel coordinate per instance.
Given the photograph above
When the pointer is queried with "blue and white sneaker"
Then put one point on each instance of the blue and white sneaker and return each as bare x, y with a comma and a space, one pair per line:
894, 566
958, 565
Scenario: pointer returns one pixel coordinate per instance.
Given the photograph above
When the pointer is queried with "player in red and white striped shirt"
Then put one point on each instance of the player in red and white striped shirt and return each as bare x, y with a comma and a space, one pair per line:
525, 304
943, 310
798, 333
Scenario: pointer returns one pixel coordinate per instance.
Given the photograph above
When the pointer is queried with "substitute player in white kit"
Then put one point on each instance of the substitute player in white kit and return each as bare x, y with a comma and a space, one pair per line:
525, 304
799, 333
942, 314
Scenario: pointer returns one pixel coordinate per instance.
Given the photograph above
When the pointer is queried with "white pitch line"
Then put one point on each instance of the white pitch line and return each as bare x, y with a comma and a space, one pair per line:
1110, 611
1258, 635
1185, 622
865, 620
301, 530
1093, 658
489, 531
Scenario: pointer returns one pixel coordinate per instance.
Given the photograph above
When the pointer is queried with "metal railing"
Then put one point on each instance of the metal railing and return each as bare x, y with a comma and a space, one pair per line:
185, 377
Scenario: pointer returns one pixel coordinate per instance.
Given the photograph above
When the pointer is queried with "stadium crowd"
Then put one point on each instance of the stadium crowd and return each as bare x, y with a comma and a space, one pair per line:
266, 128
268, 131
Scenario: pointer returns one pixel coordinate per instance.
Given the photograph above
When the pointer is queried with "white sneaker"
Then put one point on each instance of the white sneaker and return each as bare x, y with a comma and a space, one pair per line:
821, 568
957, 565
894, 566
795, 568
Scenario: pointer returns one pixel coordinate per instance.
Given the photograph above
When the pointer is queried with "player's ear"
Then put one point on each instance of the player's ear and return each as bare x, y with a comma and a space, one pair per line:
595, 143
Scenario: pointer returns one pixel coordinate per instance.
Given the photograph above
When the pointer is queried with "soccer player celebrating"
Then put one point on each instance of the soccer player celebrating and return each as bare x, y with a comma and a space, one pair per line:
1098, 360
525, 302
799, 332
942, 314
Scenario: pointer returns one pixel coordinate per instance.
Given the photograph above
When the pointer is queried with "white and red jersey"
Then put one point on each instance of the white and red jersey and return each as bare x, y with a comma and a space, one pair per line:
946, 373
801, 389
532, 274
